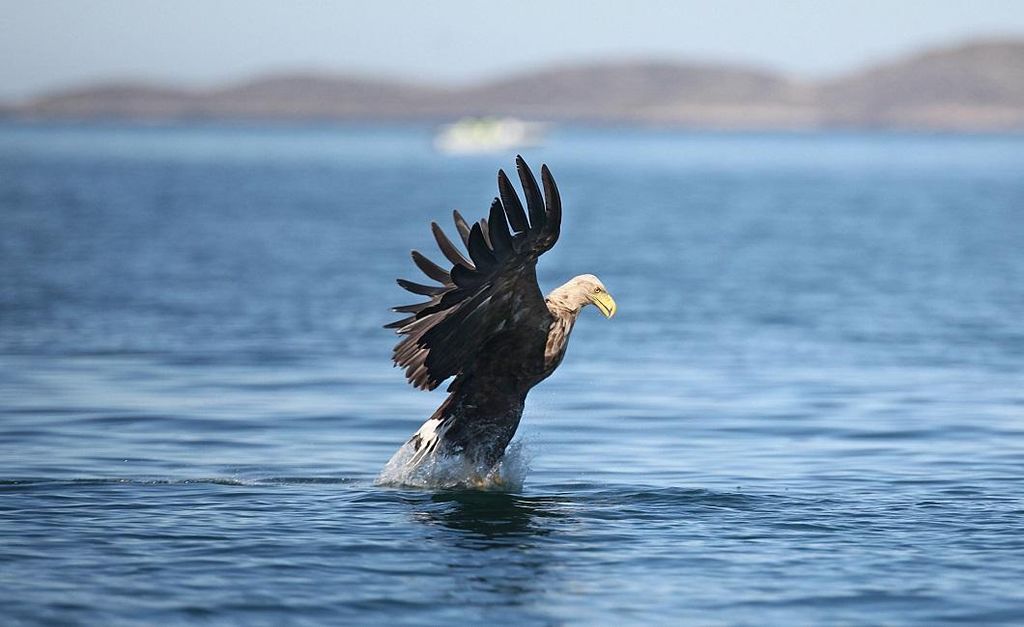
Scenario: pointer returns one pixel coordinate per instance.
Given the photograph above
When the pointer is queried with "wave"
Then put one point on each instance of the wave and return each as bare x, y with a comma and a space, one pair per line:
156, 481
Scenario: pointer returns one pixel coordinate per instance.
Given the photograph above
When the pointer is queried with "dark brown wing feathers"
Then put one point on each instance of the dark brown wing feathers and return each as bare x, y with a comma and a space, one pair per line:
534, 200
481, 254
474, 299
430, 268
461, 226
553, 204
510, 201
449, 249
500, 239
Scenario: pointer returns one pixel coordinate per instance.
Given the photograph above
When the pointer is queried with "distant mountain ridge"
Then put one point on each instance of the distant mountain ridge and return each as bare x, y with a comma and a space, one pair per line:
976, 86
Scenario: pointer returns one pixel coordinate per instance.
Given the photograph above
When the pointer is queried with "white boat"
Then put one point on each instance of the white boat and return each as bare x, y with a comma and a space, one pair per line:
483, 135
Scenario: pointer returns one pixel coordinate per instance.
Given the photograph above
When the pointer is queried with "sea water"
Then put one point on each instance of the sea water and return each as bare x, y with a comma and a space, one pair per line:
809, 408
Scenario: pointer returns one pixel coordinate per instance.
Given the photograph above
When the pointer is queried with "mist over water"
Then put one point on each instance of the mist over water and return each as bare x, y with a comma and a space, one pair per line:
808, 407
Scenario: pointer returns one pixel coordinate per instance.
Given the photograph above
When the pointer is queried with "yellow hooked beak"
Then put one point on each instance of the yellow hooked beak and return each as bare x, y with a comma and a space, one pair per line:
604, 302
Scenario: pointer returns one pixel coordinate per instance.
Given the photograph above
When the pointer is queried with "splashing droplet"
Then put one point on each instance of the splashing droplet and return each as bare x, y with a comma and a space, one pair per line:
444, 472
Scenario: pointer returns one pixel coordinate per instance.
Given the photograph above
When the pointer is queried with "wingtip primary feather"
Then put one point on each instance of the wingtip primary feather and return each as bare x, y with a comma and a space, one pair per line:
512, 205
419, 288
534, 199
500, 238
552, 199
461, 226
479, 252
429, 268
447, 248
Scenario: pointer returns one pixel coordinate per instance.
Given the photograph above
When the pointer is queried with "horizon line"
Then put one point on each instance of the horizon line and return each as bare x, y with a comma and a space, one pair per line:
199, 86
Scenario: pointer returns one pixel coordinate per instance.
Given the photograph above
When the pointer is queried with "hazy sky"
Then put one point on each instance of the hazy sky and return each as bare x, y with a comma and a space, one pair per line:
46, 44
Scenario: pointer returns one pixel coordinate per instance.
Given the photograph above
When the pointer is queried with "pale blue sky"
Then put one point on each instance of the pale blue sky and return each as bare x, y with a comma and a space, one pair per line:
46, 44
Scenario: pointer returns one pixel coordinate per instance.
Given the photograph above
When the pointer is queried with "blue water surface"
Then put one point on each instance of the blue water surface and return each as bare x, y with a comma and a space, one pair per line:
809, 408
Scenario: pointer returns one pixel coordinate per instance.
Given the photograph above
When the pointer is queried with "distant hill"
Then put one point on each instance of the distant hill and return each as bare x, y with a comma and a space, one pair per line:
972, 87
293, 96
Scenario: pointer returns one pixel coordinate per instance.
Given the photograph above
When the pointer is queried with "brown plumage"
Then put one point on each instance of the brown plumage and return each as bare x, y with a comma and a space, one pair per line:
487, 323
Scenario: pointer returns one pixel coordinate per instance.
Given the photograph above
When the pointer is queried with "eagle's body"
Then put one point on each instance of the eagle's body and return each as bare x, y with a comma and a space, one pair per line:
489, 326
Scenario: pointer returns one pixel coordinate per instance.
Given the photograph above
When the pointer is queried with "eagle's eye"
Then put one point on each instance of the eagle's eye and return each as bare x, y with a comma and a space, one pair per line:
598, 290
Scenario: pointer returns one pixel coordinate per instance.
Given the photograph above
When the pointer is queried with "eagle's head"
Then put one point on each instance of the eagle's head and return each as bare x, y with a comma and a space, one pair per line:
581, 291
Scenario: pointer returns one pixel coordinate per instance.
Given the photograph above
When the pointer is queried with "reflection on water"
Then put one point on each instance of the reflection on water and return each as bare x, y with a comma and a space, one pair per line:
493, 544
494, 519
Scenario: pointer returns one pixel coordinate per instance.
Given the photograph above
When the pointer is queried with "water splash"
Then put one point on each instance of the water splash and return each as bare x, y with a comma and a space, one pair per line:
444, 472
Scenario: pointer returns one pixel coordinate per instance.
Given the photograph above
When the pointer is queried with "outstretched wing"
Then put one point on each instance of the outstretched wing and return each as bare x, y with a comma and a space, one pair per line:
494, 290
